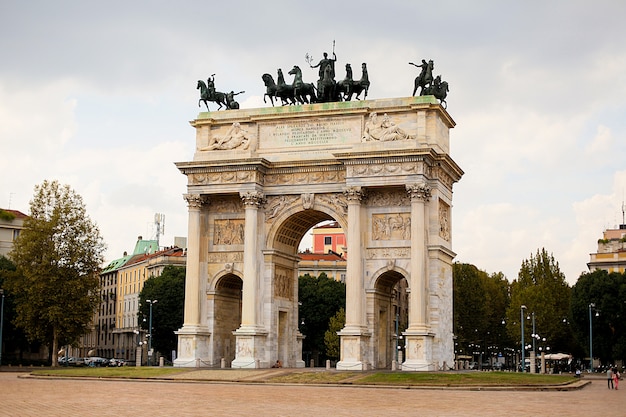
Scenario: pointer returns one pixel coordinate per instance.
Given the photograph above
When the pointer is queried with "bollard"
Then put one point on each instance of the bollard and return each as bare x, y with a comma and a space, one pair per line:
161, 361
223, 363
312, 363
394, 365
327, 364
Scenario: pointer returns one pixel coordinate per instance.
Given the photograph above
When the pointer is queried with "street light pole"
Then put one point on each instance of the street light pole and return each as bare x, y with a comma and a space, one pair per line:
591, 337
522, 308
1, 322
151, 302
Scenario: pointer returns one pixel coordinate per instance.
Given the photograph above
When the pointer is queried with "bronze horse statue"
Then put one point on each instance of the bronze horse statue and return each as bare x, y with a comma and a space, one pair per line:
348, 86
439, 89
303, 92
282, 91
205, 95
425, 78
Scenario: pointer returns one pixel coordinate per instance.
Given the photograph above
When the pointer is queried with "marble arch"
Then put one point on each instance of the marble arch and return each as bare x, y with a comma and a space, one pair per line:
260, 178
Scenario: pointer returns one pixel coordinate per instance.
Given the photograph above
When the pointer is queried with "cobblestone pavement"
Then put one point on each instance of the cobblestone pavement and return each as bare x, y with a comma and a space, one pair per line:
25, 397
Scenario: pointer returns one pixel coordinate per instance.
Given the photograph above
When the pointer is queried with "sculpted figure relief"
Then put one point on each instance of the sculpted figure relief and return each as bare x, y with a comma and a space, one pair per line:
235, 138
383, 129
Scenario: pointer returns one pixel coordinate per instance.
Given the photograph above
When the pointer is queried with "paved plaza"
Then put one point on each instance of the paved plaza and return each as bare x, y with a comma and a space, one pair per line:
24, 397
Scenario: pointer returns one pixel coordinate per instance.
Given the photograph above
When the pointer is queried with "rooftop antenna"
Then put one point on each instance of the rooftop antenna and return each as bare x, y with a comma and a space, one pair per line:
10, 198
159, 222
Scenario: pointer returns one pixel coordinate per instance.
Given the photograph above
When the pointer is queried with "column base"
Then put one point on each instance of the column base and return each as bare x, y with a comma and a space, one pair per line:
250, 348
418, 352
193, 347
354, 351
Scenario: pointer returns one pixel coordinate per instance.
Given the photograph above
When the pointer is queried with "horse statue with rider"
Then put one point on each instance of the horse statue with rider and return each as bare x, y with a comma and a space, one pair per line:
430, 86
208, 93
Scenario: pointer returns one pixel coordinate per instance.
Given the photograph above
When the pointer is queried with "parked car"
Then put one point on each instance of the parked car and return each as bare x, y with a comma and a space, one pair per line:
76, 361
117, 362
95, 361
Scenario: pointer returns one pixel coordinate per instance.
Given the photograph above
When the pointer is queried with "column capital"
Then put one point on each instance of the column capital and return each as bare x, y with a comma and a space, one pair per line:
252, 199
195, 200
418, 192
354, 194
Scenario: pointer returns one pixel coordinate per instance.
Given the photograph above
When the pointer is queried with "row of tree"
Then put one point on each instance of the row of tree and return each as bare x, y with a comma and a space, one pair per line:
488, 311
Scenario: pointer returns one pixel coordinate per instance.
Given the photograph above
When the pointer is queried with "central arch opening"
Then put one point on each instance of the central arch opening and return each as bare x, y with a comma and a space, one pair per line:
319, 277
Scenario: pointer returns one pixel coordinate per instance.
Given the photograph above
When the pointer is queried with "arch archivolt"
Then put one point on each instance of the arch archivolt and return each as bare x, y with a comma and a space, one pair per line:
390, 267
281, 210
218, 280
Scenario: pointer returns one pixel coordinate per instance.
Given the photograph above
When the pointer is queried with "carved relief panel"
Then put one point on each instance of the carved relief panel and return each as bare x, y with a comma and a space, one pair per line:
283, 283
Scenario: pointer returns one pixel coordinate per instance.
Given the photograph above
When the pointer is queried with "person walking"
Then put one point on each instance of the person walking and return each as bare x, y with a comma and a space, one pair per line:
609, 378
616, 376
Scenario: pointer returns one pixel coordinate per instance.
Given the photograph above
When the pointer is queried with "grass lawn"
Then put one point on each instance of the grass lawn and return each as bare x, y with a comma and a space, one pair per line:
472, 378
120, 372
465, 378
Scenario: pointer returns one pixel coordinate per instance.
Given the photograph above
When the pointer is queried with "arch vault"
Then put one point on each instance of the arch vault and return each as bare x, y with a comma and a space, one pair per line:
260, 178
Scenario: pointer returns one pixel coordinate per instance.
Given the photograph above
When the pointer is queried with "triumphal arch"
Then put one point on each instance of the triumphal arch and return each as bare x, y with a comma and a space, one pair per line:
261, 178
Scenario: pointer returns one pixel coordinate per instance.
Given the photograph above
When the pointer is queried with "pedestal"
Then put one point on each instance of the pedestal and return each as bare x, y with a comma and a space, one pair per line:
250, 349
354, 351
418, 352
193, 351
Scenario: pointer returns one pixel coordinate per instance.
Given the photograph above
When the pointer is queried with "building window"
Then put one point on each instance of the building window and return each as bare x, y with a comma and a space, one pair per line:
16, 233
328, 240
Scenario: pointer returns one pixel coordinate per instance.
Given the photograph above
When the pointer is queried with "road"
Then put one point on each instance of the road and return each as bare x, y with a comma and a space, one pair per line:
25, 397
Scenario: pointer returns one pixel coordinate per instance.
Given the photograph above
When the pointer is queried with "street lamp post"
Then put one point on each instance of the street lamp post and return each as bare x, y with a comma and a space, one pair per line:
591, 337
1, 322
534, 352
522, 308
151, 302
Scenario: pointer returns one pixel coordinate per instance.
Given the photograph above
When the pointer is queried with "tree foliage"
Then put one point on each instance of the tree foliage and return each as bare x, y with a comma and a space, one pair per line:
480, 302
607, 292
57, 257
542, 288
321, 298
331, 338
167, 314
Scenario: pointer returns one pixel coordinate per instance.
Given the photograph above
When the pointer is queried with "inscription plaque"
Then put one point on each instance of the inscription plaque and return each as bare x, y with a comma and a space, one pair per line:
316, 132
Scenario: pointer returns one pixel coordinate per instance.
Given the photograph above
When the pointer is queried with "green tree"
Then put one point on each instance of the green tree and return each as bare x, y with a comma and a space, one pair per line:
57, 258
542, 288
331, 338
13, 338
320, 300
480, 302
470, 310
167, 314
607, 292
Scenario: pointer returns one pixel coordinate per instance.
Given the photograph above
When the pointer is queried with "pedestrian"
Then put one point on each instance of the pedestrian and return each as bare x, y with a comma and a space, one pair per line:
616, 376
609, 376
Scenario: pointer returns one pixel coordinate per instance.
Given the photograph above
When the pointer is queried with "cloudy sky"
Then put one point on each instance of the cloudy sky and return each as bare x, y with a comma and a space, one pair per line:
98, 95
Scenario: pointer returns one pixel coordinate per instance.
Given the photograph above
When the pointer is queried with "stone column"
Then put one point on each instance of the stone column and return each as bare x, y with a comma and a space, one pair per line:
193, 337
195, 203
354, 336
250, 309
417, 335
250, 337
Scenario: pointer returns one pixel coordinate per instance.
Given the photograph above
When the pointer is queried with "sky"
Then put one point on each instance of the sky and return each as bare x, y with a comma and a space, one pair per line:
99, 95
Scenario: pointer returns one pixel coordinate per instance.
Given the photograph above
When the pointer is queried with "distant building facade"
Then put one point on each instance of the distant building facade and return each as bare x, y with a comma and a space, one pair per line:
11, 225
611, 254
116, 331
